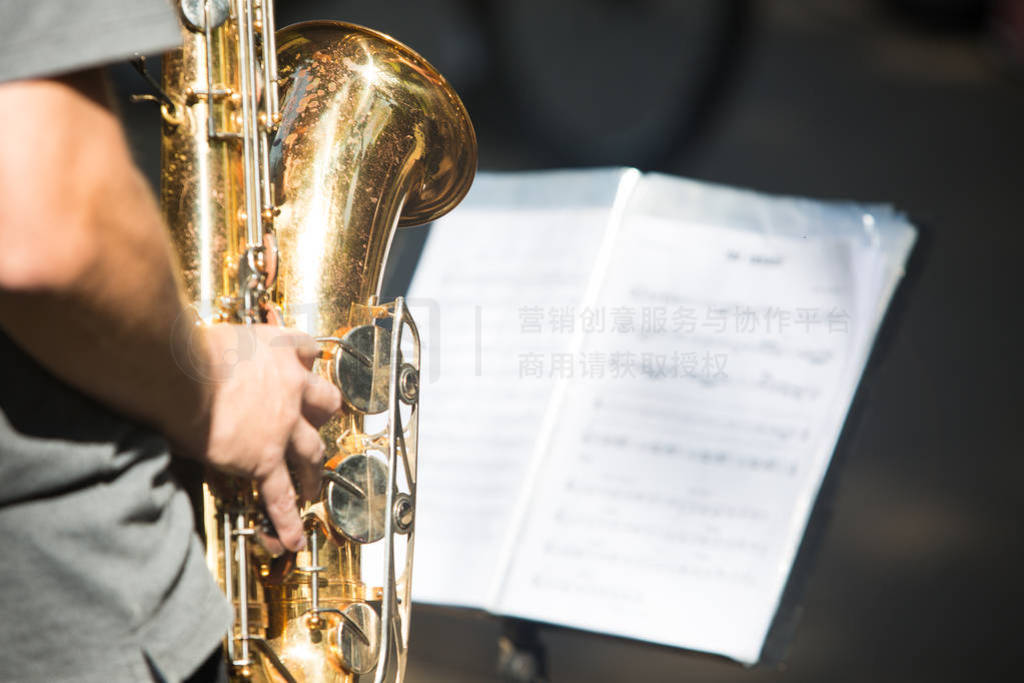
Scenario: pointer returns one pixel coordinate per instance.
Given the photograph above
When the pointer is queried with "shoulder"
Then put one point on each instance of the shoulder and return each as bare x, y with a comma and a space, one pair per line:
50, 37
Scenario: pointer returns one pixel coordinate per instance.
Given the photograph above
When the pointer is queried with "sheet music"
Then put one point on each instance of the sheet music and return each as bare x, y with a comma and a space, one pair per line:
633, 387
706, 387
481, 294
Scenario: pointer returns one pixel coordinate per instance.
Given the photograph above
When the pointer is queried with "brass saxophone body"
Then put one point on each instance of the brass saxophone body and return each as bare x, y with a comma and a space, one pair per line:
289, 160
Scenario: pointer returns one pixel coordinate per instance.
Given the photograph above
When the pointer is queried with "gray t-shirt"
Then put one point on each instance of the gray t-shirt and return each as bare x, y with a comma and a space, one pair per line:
102, 576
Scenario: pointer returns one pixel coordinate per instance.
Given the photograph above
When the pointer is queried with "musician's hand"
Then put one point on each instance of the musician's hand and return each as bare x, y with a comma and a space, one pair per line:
263, 412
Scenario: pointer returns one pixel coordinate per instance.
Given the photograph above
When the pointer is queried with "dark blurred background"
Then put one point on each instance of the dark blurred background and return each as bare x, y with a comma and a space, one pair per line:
911, 568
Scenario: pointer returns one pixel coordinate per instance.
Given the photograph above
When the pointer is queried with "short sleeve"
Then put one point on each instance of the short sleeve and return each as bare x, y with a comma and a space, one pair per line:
50, 37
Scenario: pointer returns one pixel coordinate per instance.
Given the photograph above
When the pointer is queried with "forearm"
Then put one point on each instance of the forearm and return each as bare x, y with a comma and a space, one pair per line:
88, 287
88, 284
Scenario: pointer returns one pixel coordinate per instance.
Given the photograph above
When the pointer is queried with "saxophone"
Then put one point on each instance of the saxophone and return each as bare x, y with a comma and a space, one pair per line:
289, 158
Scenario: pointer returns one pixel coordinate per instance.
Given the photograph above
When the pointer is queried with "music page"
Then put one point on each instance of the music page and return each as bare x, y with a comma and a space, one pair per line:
705, 385
481, 296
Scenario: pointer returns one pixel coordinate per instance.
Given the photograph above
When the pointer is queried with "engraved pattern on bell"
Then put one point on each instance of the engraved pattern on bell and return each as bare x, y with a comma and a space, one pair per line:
356, 498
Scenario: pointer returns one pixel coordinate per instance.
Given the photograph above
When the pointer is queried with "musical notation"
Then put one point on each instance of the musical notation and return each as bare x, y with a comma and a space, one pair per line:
634, 410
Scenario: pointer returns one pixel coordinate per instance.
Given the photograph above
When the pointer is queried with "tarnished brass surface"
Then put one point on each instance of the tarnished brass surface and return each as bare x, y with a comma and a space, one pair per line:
201, 179
303, 645
370, 135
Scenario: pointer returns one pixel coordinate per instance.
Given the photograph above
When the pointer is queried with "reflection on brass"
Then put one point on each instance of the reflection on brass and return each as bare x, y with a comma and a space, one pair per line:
355, 498
356, 638
361, 368
288, 163
401, 148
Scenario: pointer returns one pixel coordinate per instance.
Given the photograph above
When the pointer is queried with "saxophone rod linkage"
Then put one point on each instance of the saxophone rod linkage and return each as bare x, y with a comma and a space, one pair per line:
241, 535
270, 64
348, 348
343, 482
211, 129
314, 574
229, 581
139, 63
